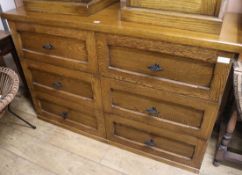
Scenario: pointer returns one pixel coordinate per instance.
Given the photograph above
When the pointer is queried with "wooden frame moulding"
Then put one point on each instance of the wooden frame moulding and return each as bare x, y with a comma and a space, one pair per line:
67, 7
208, 20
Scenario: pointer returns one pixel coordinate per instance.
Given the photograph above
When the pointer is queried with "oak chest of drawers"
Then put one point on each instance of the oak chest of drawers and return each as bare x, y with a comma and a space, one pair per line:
153, 92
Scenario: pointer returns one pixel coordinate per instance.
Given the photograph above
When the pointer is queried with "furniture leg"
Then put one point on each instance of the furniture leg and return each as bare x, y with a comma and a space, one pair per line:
222, 149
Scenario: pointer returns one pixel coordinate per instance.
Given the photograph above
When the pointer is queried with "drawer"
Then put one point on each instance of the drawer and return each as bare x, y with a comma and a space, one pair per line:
205, 7
70, 114
63, 47
158, 143
74, 86
70, 86
158, 108
182, 69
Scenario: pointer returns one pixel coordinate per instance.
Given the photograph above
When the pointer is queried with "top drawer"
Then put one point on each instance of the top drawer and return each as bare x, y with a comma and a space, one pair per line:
178, 68
62, 47
205, 7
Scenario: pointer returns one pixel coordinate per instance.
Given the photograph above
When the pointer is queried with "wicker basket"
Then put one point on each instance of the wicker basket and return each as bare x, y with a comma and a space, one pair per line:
9, 84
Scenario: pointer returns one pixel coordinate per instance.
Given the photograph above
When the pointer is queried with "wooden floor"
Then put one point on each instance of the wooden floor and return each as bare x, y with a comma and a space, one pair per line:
51, 150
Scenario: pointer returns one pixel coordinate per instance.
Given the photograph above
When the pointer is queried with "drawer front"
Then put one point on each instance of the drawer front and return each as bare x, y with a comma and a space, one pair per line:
55, 46
159, 108
162, 66
70, 114
70, 86
206, 7
62, 47
182, 69
74, 86
155, 142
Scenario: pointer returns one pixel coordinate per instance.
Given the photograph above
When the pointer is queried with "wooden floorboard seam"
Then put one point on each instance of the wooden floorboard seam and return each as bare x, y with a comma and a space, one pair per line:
85, 158
56, 140
27, 160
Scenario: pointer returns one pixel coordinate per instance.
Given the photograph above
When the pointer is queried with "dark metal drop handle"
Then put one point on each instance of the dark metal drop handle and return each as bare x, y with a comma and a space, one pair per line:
152, 111
64, 115
150, 143
155, 68
57, 85
48, 46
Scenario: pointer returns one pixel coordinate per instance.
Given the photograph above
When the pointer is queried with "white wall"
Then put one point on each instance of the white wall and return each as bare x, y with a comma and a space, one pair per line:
235, 6
6, 5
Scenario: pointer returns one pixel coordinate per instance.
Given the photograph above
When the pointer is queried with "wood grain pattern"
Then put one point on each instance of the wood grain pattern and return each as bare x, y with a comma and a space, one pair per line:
189, 22
199, 15
63, 47
72, 116
84, 8
125, 132
88, 120
184, 50
141, 61
50, 156
107, 77
229, 40
70, 48
21, 165
76, 86
81, 104
66, 84
136, 74
50, 137
174, 112
205, 7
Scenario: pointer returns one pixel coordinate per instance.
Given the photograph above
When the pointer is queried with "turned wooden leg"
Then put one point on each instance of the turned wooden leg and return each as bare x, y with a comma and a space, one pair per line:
222, 149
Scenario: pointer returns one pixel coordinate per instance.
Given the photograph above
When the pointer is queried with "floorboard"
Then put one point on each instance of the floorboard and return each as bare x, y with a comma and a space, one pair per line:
51, 150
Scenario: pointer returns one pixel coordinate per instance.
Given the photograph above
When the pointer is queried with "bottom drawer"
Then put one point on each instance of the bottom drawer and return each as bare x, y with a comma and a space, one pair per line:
156, 142
70, 114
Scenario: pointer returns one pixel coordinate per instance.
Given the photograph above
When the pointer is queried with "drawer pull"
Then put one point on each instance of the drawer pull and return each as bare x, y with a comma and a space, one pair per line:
152, 111
48, 46
150, 143
64, 115
57, 85
155, 68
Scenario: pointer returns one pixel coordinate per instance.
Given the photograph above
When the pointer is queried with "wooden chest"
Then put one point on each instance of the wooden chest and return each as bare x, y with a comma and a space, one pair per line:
127, 84
196, 15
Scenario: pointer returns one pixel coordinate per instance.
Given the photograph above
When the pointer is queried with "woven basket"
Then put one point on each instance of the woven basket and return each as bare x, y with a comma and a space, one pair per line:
9, 84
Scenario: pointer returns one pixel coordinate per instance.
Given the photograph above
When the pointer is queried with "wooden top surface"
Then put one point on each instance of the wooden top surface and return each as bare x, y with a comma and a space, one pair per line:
108, 21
